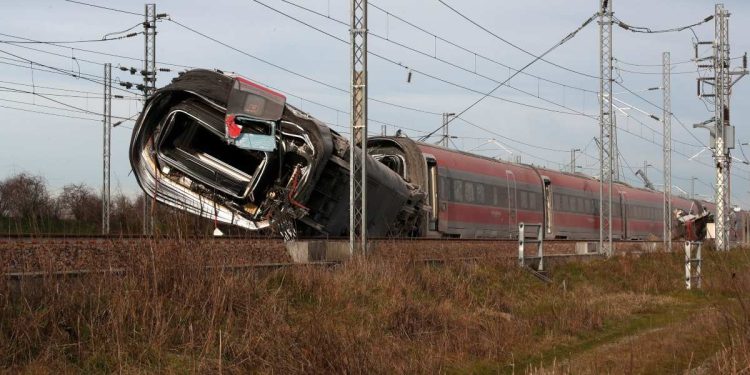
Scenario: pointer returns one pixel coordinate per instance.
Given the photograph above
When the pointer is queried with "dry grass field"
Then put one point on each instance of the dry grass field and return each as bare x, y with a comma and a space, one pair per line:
168, 314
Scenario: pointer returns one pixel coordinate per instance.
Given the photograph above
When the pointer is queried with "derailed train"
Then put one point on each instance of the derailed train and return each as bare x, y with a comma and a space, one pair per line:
225, 148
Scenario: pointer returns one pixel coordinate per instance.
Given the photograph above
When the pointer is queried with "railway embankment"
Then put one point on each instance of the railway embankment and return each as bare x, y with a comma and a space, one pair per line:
169, 313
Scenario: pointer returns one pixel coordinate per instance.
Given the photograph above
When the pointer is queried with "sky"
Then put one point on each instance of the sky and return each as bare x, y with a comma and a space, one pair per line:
539, 117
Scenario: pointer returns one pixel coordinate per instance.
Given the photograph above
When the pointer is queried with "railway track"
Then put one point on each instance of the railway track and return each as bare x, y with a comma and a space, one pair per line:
28, 256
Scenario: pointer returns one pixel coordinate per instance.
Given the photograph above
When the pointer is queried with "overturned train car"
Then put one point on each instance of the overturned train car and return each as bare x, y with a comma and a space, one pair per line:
222, 147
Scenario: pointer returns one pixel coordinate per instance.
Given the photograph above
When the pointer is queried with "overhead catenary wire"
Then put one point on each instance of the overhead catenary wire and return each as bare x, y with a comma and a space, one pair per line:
82, 110
57, 108
427, 135
646, 30
442, 39
536, 96
27, 110
193, 67
431, 76
133, 14
702, 144
690, 61
69, 48
536, 58
66, 90
103, 7
496, 36
74, 41
306, 77
24, 63
63, 71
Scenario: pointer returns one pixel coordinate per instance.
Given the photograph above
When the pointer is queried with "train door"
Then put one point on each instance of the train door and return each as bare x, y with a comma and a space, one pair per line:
547, 205
512, 204
623, 216
432, 192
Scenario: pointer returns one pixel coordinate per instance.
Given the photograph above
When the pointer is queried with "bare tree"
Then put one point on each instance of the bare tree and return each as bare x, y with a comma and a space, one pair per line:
24, 197
80, 203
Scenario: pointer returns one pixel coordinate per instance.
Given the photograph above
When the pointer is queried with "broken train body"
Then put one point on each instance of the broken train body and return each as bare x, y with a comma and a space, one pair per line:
227, 149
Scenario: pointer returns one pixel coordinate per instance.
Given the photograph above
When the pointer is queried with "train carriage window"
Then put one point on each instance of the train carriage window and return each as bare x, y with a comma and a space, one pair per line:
480, 194
557, 205
581, 205
532, 201
587, 206
524, 199
458, 191
444, 189
572, 204
489, 191
501, 196
468, 192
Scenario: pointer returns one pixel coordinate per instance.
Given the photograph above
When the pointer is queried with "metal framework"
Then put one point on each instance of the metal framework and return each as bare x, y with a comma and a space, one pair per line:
531, 237
149, 85
667, 147
722, 87
722, 133
358, 141
606, 127
573, 159
446, 123
693, 263
106, 147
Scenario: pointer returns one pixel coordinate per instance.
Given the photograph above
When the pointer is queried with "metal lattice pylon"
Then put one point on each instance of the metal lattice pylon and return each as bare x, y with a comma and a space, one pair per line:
722, 90
149, 86
722, 132
667, 148
358, 141
106, 148
606, 127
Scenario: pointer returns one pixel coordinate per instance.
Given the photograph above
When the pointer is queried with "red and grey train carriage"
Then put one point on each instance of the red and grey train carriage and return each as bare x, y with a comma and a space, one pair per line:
471, 196
225, 148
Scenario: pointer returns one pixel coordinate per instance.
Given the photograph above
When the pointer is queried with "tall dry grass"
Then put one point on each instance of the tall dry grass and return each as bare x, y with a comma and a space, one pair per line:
168, 314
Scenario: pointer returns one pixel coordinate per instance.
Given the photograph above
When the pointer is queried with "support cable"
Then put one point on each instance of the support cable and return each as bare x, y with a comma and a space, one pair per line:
434, 77
646, 30
442, 39
540, 57
431, 56
537, 58
75, 41
701, 143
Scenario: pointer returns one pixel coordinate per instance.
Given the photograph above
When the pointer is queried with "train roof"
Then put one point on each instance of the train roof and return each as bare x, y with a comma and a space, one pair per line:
569, 177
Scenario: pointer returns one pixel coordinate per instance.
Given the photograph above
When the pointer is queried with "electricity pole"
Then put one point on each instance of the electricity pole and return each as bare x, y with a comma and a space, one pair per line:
149, 85
692, 187
106, 147
573, 159
358, 141
446, 134
667, 147
645, 170
722, 133
606, 127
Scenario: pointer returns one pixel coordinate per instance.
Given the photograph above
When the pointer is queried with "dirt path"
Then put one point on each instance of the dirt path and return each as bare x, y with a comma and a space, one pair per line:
667, 346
